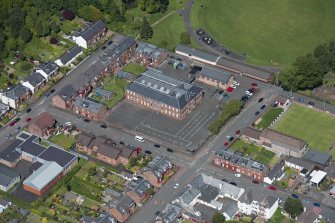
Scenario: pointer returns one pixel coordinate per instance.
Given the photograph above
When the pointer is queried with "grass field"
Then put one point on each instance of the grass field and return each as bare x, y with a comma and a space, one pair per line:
270, 32
269, 117
317, 128
257, 153
62, 140
134, 68
279, 218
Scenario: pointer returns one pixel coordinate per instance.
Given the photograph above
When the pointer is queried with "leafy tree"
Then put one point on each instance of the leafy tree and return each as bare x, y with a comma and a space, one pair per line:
16, 21
218, 218
38, 28
146, 31
90, 13
53, 40
68, 14
293, 207
26, 34
153, 6
185, 38
55, 28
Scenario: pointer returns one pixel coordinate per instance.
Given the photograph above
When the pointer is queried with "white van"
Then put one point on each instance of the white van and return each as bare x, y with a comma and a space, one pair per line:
139, 138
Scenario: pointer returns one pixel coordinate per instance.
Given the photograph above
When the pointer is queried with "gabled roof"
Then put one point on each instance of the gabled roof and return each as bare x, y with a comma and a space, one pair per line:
88, 105
140, 186
35, 79
85, 139
300, 162
197, 53
109, 150
150, 50
16, 91
281, 99
44, 175
61, 157
49, 67
43, 120
10, 154
160, 87
70, 54
93, 30
215, 74
159, 165
262, 198
252, 133
276, 171
317, 157
124, 203
7, 175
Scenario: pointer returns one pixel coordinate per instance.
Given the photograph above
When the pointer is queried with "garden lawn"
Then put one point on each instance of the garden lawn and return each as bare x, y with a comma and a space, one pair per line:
62, 140
279, 218
315, 127
83, 172
257, 153
270, 32
134, 68
269, 117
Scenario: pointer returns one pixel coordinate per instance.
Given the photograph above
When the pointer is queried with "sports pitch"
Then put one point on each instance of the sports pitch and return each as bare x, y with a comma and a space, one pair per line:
315, 127
270, 32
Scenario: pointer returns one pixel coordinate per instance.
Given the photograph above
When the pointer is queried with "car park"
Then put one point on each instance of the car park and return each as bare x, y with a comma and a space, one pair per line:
272, 188
294, 196
169, 150
260, 100
147, 152
262, 107
28, 110
103, 126
257, 113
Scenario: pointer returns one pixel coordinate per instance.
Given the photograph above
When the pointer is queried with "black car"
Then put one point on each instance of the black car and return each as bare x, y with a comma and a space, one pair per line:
231, 139
257, 113
86, 120
103, 126
157, 213
47, 95
255, 182
260, 100
233, 183
122, 143
52, 91
224, 180
147, 152
169, 150
17, 119
294, 196
262, 107
28, 110
103, 48
157, 145
110, 42
311, 103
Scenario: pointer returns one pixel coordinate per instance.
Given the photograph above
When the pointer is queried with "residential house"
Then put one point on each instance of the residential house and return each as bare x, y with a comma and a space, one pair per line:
114, 155
276, 173
8, 178
48, 70
138, 190
9, 156
122, 209
171, 214
303, 166
70, 56
85, 142
100, 92
251, 135
125, 75
15, 95
103, 218
149, 55
214, 77
157, 170
90, 109
283, 102
34, 82
3, 110
258, 203
240, 164
317, 177
197, 55
91, 35
162, 93
4, 204
320, 159
281, 143
42, 125
65, 97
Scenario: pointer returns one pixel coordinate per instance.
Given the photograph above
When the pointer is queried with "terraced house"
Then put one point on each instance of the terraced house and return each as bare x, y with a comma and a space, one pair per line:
91, 35
149, 55
15, 95
167, 95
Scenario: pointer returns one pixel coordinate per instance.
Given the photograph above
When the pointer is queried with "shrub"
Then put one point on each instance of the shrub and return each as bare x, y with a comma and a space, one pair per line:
53, 40
68, 14
11, 76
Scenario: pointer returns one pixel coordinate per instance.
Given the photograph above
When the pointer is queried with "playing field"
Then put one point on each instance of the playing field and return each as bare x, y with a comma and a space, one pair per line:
316, 127
270, 32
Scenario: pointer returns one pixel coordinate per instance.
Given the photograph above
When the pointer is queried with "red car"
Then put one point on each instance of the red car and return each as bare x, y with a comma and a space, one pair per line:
138, 149
28, 119
12, 123
254, 84
238, 132
230, 89
272, 188
226, 143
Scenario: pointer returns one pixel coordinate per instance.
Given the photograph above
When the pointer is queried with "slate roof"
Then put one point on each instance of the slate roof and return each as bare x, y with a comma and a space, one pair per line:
49, 67
261, 197
140, 186
61, 157
102, 92
197, 53
159, 165
29, 146
7, 175
281, 99
300, 162
4, 202
43, 176
317, 157
150, 50
93, 30
215, 74
252, 133
67, 92
156, 85
10, 154
43, 120
35, 79
85, 139
276, 171
126, 75
171, 213
88, 104
126, 152
16, 91
208, 193
124, 203
70, 54
109, 150
284, 140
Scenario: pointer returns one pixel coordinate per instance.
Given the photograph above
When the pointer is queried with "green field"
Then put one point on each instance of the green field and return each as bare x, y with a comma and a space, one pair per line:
62, 140
134, 68
269, 117
257, 153
316, 127
270, 32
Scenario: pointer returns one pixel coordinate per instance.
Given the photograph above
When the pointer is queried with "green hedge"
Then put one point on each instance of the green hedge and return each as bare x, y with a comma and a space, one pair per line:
229, 110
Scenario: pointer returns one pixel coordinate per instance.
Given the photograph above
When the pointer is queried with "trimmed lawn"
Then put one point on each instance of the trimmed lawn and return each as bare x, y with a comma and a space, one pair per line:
134, 68
169, 31
279, 218
270, 32
269, 117
315, 127
62, 140
257, 153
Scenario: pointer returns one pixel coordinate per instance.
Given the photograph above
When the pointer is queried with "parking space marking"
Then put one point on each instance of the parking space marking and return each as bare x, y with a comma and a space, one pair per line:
193, 117
199, 118
211, 116
199, 125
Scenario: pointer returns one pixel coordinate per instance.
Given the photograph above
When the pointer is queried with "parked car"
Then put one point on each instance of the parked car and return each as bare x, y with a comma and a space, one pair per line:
264, 184
12, 123
231, 139
255, 182
52, 91
306, 200
225, 180
103, 48
262, 107
47, 95
294, 196
157, 213
316, 204
226, 143
17, 119
233, 183
28, 110
86, 120
236, 83
248, 93
272, 188
103, 126
169, 150
147, 152
238, 132
122, 143
225, 96
176, 186
311, 103
301, 100
237, 175
230, 89
260, 100
257, 113
110, 42
233, 86
157, 145
254, 84
28, 119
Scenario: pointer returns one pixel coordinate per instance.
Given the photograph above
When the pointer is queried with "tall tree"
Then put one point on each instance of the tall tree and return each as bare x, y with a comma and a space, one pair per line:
146, 30
293, 207
26, 34
90, 13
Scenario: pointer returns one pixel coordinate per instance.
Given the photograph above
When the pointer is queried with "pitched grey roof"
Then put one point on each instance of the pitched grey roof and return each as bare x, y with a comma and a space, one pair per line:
252, 133
150, 50
300, 162
317, 157
140, 186
124, 203
215, 74
4, 202
109, 150
171, 213
189, 195
61, 157
231, 209
7, 175
276, 171
10, 154
16, 91
88, 104
29, 146
49, 67
159, 165
85, 139
70, 54
93, 30
102, 92
156, 85
208, 193
123, 74
35, 79
197, 53
264, 199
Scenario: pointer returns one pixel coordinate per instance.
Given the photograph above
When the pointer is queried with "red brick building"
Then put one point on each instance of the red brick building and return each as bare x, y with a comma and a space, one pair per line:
149, 55
138, 190
157, 170
90, 109
122, 209
239, 164
42, 125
